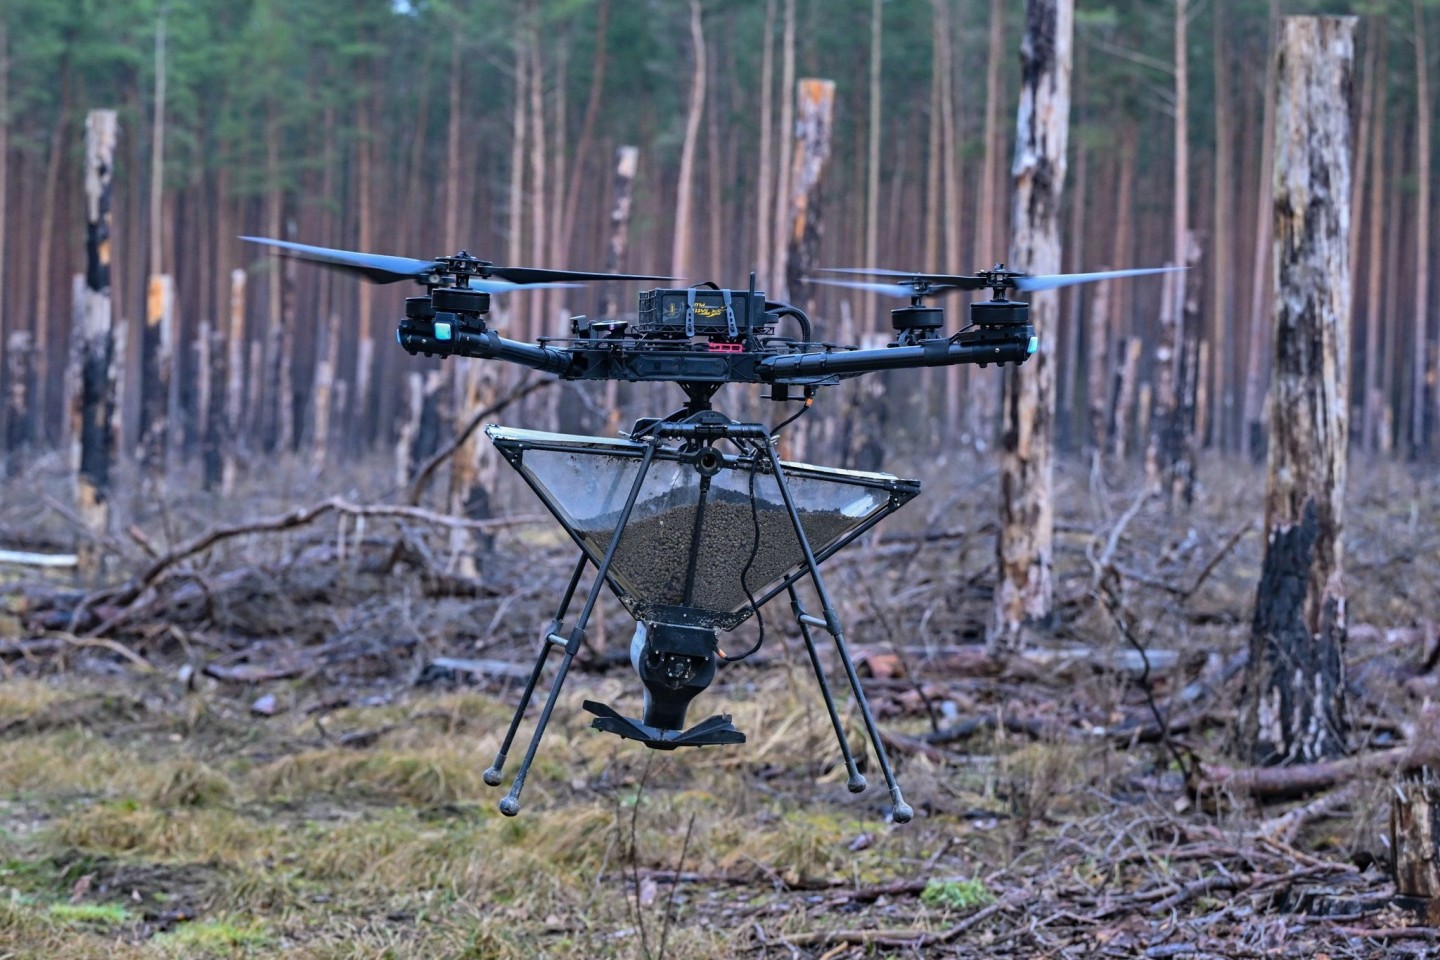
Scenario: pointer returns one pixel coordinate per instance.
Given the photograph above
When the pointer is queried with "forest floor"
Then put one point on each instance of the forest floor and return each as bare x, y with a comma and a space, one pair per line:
265, 751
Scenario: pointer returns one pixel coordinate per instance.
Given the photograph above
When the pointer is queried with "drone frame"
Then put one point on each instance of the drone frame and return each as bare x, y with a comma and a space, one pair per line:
761, 444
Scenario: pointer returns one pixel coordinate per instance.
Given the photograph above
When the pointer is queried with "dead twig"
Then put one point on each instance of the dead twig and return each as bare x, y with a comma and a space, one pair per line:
428, 468
905, 937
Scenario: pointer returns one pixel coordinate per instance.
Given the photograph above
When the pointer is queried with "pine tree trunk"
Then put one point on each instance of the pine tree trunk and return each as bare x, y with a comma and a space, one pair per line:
764, 200
44, 275
816, 102
1222, 243
213, 435
1025, 591
682, 246
360, 420
584, 144
780, 247
1251, 435
157, 361
627, 163
18, 345
1374, 362
237, 343
5, 316
1424, 116
94, 405
871, 256
1294, 704
323, 390
1127, 376
515, 230
984, 393
1097, 359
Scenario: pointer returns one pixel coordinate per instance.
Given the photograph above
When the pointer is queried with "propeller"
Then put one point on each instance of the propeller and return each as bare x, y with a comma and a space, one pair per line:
483, 275
929, 284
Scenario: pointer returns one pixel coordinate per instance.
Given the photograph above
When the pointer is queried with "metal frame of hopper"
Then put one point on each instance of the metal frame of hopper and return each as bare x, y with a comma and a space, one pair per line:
761, 446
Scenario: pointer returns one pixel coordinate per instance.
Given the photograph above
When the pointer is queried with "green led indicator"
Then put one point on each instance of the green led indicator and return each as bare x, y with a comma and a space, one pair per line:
442, 332
1032, 346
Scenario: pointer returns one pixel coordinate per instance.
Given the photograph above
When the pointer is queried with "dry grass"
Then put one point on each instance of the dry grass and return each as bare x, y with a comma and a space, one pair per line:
140, 819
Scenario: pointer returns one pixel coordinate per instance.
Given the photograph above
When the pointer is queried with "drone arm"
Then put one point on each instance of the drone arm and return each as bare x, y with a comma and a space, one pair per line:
934, 353
489, 345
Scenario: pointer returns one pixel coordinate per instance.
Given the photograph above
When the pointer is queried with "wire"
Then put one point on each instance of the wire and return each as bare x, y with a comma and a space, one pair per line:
808, 403
750, 562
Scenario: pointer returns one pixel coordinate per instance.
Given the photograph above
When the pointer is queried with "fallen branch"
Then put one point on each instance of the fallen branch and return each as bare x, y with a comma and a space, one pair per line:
22, 558
904, 937
428, 468
126, 595
1271, 783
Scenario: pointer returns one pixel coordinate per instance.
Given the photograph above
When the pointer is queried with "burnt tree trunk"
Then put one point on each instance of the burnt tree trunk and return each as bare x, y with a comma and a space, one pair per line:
94, 406
1025, 547
1294, 704
157, 361
17, 400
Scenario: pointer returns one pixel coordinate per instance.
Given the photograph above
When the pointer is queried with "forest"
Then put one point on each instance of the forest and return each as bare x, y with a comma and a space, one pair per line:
1155, 654
419, 129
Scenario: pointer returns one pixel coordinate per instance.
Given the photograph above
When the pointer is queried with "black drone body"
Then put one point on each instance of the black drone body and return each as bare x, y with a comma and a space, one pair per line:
692, 520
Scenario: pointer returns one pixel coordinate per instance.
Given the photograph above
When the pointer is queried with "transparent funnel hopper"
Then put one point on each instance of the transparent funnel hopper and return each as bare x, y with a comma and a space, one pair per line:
689, 553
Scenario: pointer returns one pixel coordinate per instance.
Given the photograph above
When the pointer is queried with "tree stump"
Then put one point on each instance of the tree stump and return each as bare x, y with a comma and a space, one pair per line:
1414, 835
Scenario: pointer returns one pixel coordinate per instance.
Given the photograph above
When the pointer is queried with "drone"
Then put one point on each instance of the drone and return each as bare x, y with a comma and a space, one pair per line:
692, 519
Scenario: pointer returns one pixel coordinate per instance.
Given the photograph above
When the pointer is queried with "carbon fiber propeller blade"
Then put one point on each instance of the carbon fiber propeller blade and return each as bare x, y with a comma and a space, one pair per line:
374, 267
898, 289
1030, 284
379, 268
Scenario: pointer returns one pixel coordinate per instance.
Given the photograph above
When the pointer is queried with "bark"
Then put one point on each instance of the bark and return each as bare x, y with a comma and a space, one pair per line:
934, 187
764, 203
44, 275
587, 124
1096, 360
1374, 363
780, 247
538, 167
1415, 840
953, 213
323, 390
360, 422
452, 152
1025, 590
95, 403
4, 175
157, 163
157, 361
213, 434
18, 345
1294, 704
816, 102
237, 343
1251, 436
519, 124
1127, 373
1424, 115
1221, 292
627, 162
872, 162
683, 246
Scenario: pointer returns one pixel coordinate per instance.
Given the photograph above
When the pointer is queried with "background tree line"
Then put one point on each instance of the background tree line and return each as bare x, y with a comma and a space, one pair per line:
422, 127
